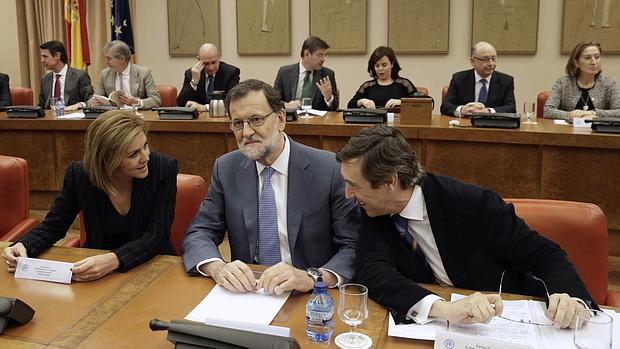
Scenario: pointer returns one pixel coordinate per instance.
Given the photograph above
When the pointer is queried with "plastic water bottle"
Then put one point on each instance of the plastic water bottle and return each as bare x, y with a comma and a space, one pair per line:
59, 107
320, 313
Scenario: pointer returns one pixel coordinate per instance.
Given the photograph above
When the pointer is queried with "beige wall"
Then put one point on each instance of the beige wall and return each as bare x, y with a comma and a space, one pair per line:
9, 50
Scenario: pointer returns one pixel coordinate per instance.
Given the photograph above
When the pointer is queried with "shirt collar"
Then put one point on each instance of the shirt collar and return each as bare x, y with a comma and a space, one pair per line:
127, 70
415, 207
281, 163
63, 71
478, 77
302, 69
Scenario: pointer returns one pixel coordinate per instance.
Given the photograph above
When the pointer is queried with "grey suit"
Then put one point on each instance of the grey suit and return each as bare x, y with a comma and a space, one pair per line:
142, 85
78, 87
322, 224
286, 83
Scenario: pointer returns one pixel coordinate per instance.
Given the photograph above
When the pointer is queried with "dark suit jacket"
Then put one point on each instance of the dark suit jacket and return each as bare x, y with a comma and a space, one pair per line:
478, 236
5, 91
322, 224
462, 91
226, 77
286, 83
152, 211
78, 87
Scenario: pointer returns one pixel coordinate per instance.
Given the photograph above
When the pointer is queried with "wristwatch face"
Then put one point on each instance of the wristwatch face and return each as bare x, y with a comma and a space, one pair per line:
314, 273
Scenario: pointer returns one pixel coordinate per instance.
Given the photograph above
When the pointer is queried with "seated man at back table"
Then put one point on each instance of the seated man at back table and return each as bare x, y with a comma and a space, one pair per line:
419, 227
482, 89
134, 83
208, 74
308, 78
281, 202
71, 85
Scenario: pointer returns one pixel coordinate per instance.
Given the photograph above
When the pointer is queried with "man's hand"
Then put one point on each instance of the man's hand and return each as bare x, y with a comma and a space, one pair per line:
200, 107
127, 99
282, 277
94, 102
392, 103
366, 103
95, 267
235, 276
196, 70
473, 107
10, 255
73, 107
475, 308
294, 104
563, 310
325, 85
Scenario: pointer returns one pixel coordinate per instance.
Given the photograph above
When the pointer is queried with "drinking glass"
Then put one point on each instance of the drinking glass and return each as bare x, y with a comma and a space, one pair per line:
528, 110
353, 310
306, 104
136, 109
53, 105
593, 330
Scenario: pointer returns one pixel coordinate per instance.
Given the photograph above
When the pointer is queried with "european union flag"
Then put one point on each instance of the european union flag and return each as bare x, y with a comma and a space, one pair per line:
121, 22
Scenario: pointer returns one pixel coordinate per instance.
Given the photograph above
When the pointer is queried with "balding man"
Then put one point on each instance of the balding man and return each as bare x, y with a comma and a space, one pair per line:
207, 75
481, 89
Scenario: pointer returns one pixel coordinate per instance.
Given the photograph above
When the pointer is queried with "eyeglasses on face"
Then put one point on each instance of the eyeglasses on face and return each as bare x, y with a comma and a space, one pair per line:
487, 59
253, 121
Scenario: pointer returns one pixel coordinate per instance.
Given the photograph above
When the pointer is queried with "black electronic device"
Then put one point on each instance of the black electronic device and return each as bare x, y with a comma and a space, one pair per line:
25, 111
364, 116
291, 115
496, 120
194, 335
177, 113
94, 112
14, 310
605, 125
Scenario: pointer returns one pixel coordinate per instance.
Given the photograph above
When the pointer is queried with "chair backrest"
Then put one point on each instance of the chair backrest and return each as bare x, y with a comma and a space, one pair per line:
168, 94
191, 191
444, 92
21, 96
422, 90
580, 229
14, 193
540, 103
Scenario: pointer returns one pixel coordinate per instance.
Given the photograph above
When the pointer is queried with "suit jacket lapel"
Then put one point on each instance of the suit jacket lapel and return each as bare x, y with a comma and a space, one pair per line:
294, 79
247, 178
299, 181
470, 87
134, 80
69, 84
494, 88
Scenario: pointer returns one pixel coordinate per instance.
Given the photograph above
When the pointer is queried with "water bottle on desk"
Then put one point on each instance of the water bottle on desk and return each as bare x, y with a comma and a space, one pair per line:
320, 313
59, 108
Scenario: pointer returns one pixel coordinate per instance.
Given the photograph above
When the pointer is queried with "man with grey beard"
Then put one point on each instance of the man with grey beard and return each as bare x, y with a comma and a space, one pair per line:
282, 204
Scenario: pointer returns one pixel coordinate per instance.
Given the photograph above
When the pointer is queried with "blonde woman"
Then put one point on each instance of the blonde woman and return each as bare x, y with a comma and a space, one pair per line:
127, 195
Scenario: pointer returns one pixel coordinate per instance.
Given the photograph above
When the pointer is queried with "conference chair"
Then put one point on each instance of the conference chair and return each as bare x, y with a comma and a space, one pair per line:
14, 194
540, 103
21, 96
168, 94
581, 230
191, 191
422, 90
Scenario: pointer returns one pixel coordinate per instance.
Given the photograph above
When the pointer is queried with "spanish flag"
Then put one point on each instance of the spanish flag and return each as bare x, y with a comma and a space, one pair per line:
77, 35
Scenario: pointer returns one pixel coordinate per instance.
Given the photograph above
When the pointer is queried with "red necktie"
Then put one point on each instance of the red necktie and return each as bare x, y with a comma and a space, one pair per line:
57, 87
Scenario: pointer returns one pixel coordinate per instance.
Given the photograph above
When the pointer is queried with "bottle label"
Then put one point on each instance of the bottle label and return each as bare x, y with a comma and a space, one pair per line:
319, 316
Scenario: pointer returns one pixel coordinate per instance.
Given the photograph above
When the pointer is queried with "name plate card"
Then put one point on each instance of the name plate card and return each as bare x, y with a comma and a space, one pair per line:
44, 270
449, 340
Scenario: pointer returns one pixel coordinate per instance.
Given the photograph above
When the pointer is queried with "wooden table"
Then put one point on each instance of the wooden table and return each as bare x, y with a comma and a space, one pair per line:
535, 161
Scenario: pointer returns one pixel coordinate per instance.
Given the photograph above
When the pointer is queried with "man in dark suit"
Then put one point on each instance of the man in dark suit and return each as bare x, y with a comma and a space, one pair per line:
207, 75
72, 85
299, 222
424, 228
308, 78
482, 89
5, 91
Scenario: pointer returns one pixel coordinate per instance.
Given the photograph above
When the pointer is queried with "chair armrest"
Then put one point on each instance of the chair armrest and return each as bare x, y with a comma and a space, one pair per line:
72, 242
20, 229
613, 298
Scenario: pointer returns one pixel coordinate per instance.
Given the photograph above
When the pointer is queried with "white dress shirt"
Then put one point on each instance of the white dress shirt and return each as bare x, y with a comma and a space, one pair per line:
63, 77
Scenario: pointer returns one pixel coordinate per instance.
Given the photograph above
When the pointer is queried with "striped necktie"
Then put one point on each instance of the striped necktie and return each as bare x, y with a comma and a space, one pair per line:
268, 238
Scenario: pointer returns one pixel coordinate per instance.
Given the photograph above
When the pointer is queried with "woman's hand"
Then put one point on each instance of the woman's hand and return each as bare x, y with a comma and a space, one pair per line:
10, 255
578, 113
95, 267
392, 103
366, 103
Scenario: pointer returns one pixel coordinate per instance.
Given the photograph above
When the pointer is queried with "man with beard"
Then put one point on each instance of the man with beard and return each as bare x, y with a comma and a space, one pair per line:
282, 204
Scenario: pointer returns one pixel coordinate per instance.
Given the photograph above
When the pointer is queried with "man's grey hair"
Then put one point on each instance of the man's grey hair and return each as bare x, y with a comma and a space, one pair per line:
118, 49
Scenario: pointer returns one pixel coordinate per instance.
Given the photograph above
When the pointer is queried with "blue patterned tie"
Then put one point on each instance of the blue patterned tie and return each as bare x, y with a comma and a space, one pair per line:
482, 97
401, 224
268, 238
209, 88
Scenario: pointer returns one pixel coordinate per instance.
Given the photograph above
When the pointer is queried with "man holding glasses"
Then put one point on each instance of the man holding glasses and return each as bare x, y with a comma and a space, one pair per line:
420, 227
481, 89
282, 204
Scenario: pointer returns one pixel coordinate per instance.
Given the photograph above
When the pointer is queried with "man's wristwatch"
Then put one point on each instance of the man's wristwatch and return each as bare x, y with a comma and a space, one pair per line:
315, 274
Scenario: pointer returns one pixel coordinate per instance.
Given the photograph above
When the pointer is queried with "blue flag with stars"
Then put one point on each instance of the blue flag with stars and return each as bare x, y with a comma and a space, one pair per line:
121, 22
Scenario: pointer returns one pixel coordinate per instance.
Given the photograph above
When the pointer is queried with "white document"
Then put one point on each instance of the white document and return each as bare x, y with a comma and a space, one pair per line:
581, 123
44, 270
223, 305
415, 331
74, 115
560, 122
313, 112
456, 340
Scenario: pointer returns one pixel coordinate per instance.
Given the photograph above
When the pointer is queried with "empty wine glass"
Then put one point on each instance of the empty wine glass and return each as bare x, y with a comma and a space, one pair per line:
306, 104
528, 110
353, 310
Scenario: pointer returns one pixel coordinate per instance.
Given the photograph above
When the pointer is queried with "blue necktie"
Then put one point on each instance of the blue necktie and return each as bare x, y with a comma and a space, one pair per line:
268, 238
209, 88
482, 97
401, 224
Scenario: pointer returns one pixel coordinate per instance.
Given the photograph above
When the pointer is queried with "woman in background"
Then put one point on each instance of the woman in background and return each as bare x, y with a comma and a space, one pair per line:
126, 193
386, 88
583, 92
